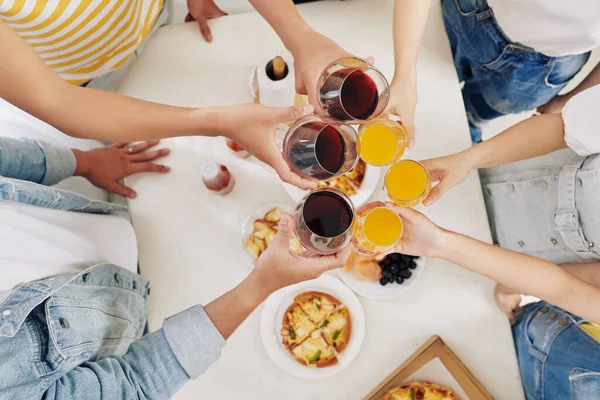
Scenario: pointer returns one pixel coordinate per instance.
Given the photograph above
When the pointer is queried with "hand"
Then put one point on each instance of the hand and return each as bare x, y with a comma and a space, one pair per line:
201, 11
279, 268
554, 106
403, 101
420, 236
253, 127
310, 60
449, 171
508, 300
106, 166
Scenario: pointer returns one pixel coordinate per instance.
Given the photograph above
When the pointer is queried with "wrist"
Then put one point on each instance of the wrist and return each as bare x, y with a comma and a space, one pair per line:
208, 121
82, 166
299, 38
405, 71
259, 286
444, 244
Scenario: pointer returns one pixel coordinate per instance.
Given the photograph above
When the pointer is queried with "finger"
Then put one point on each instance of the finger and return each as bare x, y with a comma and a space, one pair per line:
121, 190
410, 136
313, 97
138, 168
370, 206
436, 193
204, 29
405, 212
149, 155
370, 60
384, 254
143, 146
291, 113
119, 145
284, 232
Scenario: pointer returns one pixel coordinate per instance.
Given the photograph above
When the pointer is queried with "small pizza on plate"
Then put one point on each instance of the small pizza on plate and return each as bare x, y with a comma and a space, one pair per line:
420, 390
337, 329
316, 328
315, 352
317, 305
296, 326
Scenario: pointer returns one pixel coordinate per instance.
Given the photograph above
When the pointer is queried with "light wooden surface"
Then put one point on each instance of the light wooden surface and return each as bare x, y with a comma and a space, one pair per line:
190, 246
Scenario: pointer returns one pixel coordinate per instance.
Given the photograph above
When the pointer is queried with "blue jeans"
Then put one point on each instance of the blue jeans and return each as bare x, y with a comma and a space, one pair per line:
558, 359
500, 77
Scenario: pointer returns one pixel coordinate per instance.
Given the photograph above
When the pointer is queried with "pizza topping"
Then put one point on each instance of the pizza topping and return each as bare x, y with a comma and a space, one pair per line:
412, 393
315, 334
292, 333
314, 357
336, 334
324, 323
310, 346
300, 331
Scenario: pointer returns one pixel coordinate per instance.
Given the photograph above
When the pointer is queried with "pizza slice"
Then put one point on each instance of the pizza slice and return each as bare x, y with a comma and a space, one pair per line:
317, 305
315, 352
296, 327
337, 329
420, 391
357, 174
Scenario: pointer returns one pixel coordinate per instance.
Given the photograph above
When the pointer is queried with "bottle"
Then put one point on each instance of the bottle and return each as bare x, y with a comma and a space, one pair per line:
238, 150
217, 178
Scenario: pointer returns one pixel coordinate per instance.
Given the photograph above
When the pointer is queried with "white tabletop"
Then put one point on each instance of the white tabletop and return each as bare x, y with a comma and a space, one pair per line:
190, 245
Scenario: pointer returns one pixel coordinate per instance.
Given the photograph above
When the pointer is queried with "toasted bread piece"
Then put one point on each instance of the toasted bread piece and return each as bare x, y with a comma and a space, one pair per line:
315, 352
270, 236
273, 215
420, 390
252, 247
261, 224
317, 305
259, 242
296, 327
337, 329
357, 174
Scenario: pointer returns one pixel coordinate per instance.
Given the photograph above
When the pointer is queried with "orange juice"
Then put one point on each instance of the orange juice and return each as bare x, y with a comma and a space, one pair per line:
377, 230
382, 227
407, 183
382, 142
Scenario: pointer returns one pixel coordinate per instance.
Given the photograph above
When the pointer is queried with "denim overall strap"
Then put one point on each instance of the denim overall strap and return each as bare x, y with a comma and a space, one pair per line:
566, 217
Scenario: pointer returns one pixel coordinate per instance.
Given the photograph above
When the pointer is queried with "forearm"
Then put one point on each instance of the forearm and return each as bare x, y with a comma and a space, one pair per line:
285, 20
587, 272
523, 273
230, 310
531, 138
410, 18
28, 83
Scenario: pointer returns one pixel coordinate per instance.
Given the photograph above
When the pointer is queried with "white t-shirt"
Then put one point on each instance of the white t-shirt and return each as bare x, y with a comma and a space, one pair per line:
552, 27
37, 243
582, 122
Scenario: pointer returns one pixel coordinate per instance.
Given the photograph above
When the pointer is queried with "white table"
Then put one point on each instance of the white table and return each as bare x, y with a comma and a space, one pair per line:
190, 245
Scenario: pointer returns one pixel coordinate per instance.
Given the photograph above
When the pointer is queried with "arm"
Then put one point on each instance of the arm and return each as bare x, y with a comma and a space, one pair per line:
522, 273
410, 18
530, 138
160, 363
556, 105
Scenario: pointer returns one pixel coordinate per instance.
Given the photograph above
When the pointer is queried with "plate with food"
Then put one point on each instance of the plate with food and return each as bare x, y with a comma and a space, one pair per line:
382, 280
420, 390
260, 228
359, 184
313, 329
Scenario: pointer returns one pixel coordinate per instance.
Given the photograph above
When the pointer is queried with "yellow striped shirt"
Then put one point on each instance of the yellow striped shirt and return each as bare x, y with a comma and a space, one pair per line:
82, 39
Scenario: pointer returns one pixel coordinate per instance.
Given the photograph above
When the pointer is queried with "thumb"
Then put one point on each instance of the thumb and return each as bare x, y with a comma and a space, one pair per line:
284, 232
436, 193
291, 113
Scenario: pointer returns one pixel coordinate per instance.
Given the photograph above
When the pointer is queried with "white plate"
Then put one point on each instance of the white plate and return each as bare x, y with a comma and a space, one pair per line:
374, 291
365, 191
248, 226
272, 317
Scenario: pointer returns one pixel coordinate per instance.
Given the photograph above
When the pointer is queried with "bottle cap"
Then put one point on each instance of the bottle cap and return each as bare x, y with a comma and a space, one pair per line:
210, 170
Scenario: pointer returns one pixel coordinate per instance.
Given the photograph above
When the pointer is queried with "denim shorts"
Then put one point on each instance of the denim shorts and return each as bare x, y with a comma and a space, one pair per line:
500, 76
558, 359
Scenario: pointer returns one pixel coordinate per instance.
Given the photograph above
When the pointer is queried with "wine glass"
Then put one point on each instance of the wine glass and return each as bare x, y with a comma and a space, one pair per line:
320, 147
350, 89
323, 221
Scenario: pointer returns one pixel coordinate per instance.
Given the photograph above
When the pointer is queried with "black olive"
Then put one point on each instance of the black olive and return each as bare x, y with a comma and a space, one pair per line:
386, 274
412, 265
387, 263
399, 280
394, 269
384, 281
405, 273
395, 256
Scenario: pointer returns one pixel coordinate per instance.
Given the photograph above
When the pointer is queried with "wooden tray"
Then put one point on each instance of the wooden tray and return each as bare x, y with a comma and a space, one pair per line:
433, 348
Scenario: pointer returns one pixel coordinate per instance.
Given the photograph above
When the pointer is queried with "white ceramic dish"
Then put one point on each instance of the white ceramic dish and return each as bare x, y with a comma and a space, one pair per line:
374, 291
248, 226
272, 317
368, 186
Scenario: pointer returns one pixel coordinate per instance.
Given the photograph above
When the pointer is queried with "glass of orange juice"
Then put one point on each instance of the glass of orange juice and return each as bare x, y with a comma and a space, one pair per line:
378, 229
407, 183
382, 142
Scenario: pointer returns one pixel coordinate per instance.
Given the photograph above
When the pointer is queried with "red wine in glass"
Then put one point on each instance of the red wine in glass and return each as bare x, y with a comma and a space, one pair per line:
320, 147
324, 220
